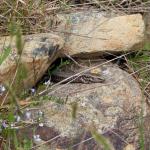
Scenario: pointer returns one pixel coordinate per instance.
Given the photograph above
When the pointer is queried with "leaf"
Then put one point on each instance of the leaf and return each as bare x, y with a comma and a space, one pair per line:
15, 140
19, 42
12, 28
27, 144
11, 117
4, 54
74, 110
22, 72
101, 140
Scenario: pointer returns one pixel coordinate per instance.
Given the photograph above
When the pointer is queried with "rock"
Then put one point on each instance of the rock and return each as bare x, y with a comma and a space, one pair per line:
39, 51
147, 131
111, 108
147, 24
129, 147
93, 32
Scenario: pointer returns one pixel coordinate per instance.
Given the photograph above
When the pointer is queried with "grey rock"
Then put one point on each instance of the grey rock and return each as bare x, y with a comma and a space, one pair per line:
100, 104
39, 51
111, 108
147, 25
93, 32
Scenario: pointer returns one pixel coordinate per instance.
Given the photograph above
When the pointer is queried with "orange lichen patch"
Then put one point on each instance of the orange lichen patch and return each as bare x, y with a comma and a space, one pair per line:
95, 71
129, 147
24, 102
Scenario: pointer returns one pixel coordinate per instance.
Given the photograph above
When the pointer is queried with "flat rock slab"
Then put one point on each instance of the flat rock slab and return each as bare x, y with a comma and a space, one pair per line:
39, 51
112, 108
97, 32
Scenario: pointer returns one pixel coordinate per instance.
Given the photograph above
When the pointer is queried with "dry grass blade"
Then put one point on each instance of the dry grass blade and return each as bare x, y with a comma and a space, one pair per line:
21, 1
82, 142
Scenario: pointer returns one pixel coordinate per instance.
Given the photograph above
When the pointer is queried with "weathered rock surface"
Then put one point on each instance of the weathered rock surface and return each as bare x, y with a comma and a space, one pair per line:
96, 32
39, 51
147, 24
112, 108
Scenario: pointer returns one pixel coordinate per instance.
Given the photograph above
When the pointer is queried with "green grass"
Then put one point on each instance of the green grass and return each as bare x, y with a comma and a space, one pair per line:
137, 61
101, 140
140, 60
4, 54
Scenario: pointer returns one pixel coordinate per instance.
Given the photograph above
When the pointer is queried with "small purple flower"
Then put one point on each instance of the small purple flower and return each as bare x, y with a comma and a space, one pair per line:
33, 91
4, 124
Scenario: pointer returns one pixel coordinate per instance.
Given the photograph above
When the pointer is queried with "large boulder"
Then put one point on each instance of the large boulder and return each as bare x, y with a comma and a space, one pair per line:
39, 51
93, 32
112, 108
